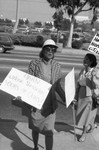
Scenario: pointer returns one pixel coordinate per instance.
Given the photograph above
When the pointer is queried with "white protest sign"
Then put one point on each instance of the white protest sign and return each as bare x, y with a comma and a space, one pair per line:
31, 89
94, 45
69, 87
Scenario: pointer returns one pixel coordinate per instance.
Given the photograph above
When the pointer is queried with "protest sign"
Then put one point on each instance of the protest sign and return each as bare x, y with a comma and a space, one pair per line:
94, 45
69, 87
31, 89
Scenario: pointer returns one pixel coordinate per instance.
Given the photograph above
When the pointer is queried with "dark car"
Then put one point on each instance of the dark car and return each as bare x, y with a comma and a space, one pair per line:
6, 43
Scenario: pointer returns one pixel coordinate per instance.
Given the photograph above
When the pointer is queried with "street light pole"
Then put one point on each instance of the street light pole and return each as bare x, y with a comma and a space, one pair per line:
17, 17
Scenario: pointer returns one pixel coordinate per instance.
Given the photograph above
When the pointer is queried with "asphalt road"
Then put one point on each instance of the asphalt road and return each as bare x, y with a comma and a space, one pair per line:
20, 58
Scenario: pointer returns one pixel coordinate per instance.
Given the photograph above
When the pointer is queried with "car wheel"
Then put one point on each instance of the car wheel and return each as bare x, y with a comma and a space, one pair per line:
2, 50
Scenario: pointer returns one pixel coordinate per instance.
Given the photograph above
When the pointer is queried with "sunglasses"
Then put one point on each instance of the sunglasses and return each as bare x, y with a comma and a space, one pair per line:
50, 49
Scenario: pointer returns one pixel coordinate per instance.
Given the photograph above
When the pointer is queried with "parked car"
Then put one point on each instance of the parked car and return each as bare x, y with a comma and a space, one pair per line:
6, 43
22, 31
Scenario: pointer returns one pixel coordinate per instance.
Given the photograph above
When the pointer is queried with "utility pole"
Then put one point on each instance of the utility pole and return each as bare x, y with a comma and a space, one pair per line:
17, 17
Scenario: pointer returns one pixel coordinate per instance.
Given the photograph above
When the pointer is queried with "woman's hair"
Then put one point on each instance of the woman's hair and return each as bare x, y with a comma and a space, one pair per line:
41, 54
93, 59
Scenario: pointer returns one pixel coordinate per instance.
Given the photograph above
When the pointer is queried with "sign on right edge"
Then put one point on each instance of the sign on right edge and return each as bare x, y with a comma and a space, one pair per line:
94, 45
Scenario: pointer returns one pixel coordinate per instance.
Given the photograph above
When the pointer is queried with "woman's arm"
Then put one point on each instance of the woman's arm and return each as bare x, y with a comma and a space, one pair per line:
95, 84
19, 102
60, 89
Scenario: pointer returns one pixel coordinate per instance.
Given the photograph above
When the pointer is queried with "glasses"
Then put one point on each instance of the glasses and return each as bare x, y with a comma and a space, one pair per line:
50, 49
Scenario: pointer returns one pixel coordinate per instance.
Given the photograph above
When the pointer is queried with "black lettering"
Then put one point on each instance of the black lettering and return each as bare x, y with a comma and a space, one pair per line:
96, 39
94, 44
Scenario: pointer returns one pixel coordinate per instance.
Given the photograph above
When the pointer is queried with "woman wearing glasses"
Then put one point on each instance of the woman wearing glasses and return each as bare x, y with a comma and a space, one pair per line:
47, 69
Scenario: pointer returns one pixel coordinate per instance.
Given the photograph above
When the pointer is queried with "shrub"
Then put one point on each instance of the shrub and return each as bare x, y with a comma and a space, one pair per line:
16, 39
25, 40
40, 41
88, 37
54, 37
28, 40
77, 44
85, 46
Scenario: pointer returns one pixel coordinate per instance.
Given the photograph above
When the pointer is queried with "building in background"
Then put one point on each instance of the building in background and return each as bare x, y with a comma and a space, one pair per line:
84, 19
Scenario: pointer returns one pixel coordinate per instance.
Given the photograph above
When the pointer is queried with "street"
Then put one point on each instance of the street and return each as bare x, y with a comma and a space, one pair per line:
20, 58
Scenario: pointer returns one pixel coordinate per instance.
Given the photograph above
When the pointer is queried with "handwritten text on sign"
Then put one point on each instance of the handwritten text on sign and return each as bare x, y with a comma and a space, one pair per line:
94, 45
31, 89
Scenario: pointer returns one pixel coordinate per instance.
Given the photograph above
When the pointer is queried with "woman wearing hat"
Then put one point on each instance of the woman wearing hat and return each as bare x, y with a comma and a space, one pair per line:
47, 69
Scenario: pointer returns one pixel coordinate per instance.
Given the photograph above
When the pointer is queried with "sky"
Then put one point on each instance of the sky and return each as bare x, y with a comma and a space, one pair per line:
33, 10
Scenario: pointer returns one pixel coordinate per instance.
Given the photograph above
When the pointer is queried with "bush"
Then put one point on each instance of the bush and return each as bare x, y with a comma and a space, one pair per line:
88, 37
54, 37
85, 46
27, 40
40, 41
16, 39
77, 44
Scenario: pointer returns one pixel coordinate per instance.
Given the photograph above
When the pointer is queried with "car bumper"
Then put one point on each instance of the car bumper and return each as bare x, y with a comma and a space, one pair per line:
8, 47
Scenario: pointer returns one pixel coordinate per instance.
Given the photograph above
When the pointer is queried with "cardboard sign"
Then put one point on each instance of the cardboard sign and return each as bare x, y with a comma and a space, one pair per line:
94, 45
31, 89
69, 87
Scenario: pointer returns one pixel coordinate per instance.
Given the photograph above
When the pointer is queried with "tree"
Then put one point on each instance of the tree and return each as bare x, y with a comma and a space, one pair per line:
27, 22
65, 24
8, 22
38, 24
21, 22
73, 8
94, 22
86, 27
58, 18
48, 25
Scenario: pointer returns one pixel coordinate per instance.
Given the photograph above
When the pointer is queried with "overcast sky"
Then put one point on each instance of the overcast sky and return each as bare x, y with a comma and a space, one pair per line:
34, 10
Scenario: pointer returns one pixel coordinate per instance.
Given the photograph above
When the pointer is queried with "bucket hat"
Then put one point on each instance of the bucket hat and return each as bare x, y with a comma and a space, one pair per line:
49, 42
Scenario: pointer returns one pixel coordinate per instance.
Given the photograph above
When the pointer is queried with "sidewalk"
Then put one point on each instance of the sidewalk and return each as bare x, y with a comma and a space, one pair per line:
59, 50
17, 136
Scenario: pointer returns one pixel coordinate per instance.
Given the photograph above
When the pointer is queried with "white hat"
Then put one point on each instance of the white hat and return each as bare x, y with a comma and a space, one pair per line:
49, 42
